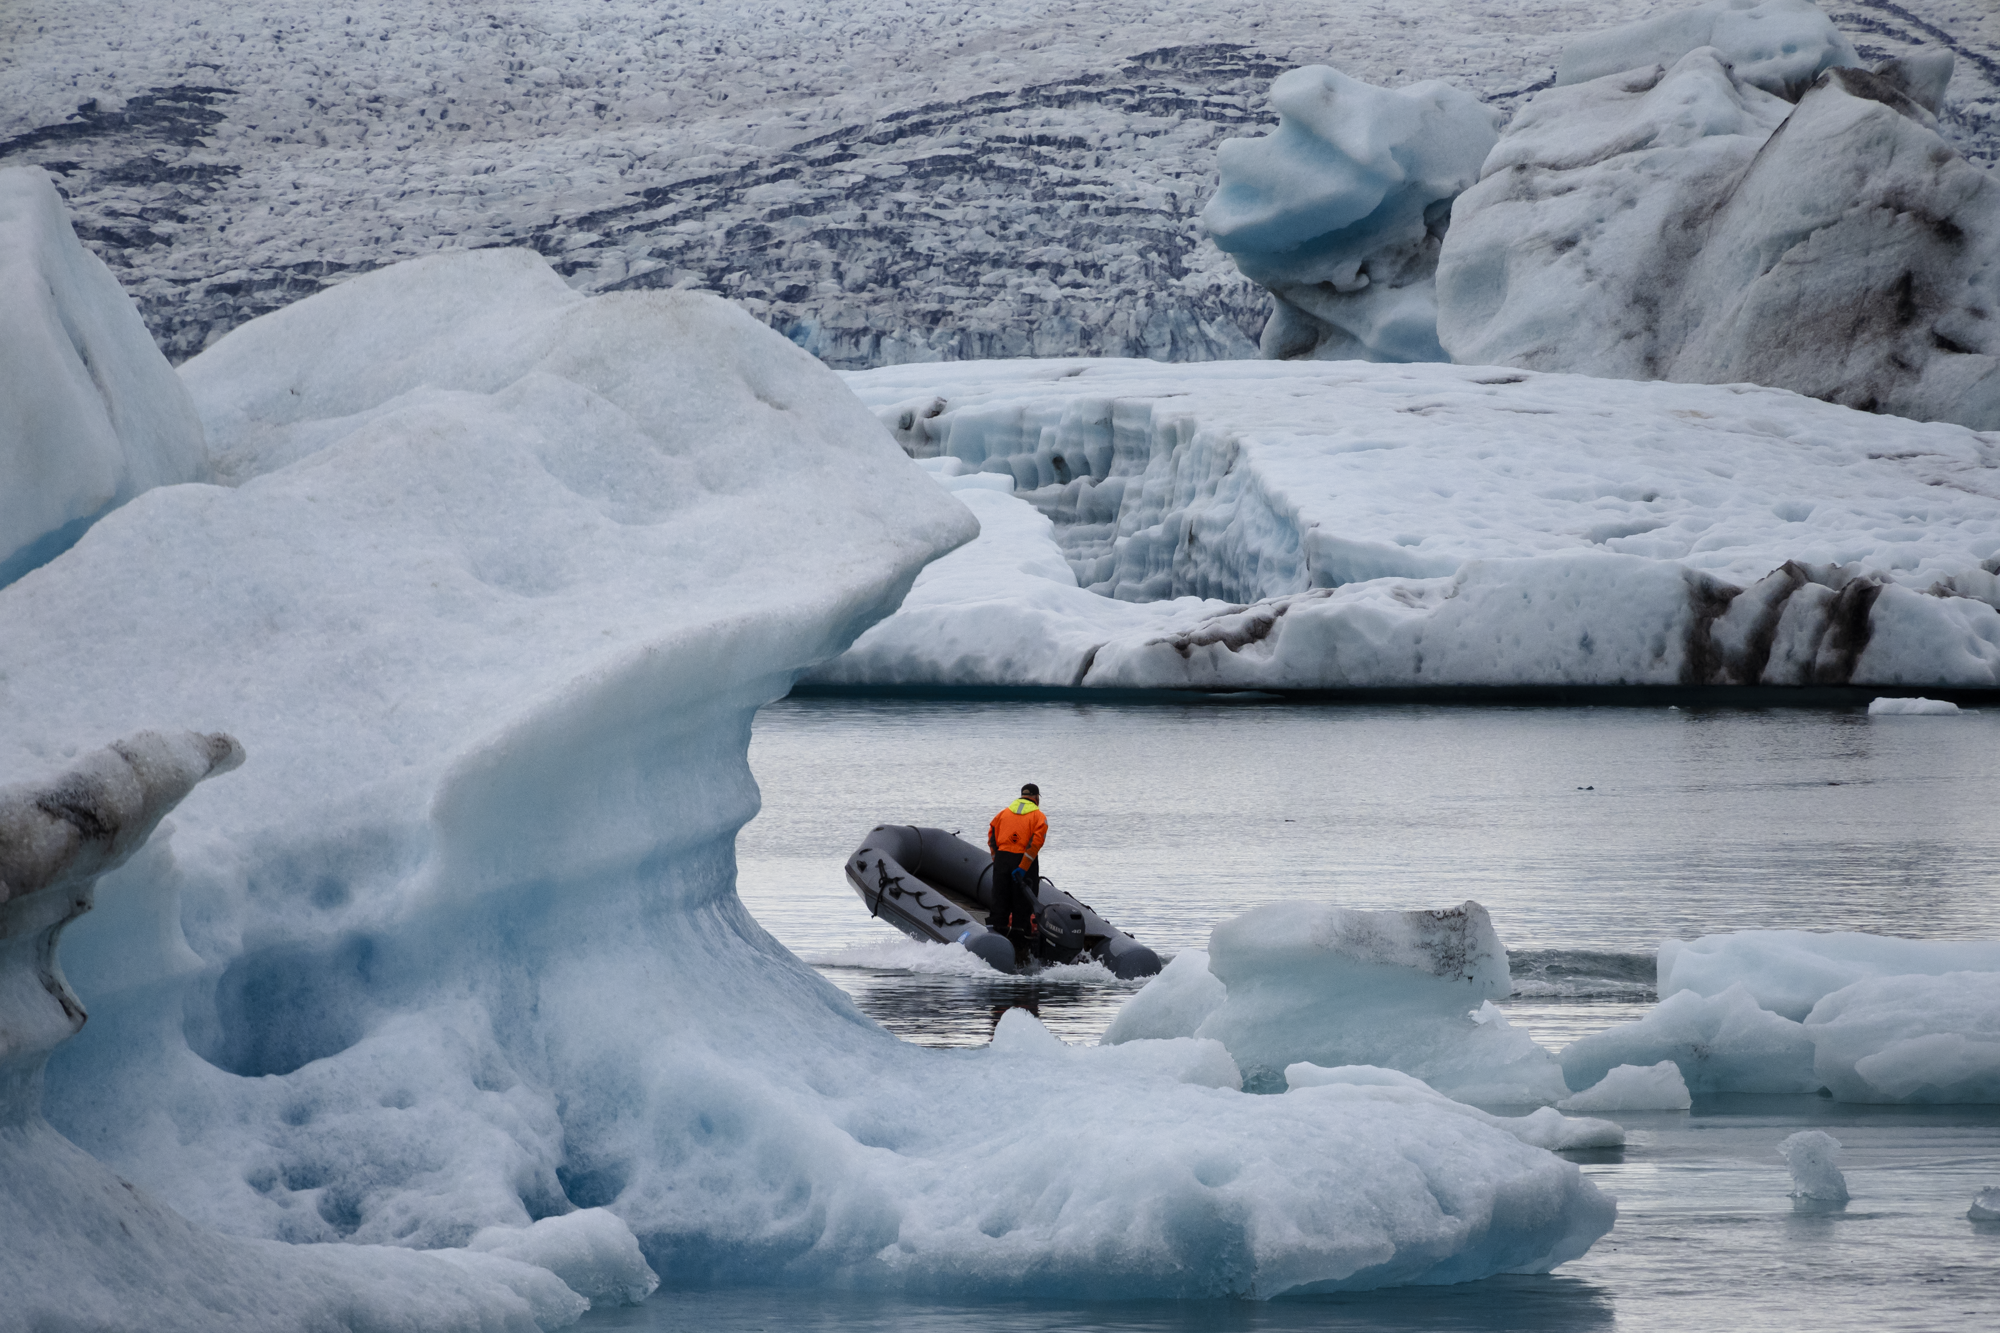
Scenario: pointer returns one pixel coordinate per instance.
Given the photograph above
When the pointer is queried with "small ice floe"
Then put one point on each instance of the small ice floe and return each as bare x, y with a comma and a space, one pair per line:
1913, 708
1657, 1087
1809, 1153
1985, 1205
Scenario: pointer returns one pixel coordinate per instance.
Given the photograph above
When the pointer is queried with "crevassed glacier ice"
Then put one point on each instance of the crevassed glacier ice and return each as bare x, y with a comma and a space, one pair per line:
1339, 212
1780, 46
1376, 525
1305, 982
90, 413
466, 953
1677, 218
1790, 971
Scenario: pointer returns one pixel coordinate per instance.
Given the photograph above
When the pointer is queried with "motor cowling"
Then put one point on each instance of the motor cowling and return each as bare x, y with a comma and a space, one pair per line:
1062, 927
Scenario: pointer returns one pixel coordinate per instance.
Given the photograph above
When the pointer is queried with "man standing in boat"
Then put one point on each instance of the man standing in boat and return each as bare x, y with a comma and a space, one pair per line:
1015, 838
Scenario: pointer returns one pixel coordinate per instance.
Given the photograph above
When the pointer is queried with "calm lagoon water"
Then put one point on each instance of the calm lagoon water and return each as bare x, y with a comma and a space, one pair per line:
1590, 834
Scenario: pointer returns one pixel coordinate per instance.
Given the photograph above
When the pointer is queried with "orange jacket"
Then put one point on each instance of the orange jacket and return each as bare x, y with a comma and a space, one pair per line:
1021, 827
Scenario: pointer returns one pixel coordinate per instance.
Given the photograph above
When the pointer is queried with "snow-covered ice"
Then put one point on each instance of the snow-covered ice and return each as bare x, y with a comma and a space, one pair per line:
501, 578
1544, 1127
90, 413
1790, 971
1340, 211
1657, 1087
1815, 1176
1985, 1205
1913, 707
1374, 525
1306, 982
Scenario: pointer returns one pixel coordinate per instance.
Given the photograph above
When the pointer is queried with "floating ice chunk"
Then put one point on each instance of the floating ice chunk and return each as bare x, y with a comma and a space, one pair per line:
1912, 708
1777, 45
1910, 1039
1338, 986
1340, 210
1809, 1154
90, 413
1657, 1087
591, 1250
1545, 1127
1174, 1003
1724, 1043
1985, 1205
1182, 1059
1789, 971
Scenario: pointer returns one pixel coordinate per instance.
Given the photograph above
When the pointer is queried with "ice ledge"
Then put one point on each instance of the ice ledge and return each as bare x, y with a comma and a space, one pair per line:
1353, 526
56, 838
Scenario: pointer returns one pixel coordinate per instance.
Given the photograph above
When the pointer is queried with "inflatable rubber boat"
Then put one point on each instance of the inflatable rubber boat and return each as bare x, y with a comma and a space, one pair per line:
935, 886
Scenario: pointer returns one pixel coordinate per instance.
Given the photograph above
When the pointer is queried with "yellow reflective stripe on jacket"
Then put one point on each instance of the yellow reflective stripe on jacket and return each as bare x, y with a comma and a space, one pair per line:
1024, 806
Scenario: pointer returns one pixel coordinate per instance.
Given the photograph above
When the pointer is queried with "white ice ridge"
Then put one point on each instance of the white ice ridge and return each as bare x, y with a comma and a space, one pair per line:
1780, 46
1985, 1205
1544, 1127
1676, 217
1790, 971
1304, 982
1868, 1018
1340, 211
1373, 525
504, 576
90, 412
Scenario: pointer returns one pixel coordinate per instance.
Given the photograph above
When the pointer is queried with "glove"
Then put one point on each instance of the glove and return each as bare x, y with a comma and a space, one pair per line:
1020, 875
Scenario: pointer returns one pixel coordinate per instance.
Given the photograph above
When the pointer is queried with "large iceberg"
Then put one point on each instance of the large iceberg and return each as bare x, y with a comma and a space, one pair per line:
1301, 983
1340, 211
503, 576
1356, 525
1666, 212
90, 413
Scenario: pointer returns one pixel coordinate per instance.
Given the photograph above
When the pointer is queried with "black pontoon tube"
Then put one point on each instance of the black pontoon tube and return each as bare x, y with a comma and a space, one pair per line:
935, 886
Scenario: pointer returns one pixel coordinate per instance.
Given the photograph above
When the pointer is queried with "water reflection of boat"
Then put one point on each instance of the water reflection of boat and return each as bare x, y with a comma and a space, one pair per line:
935, 886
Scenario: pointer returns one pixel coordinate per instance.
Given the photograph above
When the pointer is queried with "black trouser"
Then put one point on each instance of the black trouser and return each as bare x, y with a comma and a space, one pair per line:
1013, 901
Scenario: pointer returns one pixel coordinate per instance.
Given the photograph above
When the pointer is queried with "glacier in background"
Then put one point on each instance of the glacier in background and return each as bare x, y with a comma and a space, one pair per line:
942, 180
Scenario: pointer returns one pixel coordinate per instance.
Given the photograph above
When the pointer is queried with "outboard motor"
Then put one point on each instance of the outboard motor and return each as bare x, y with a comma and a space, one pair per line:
1062, 927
